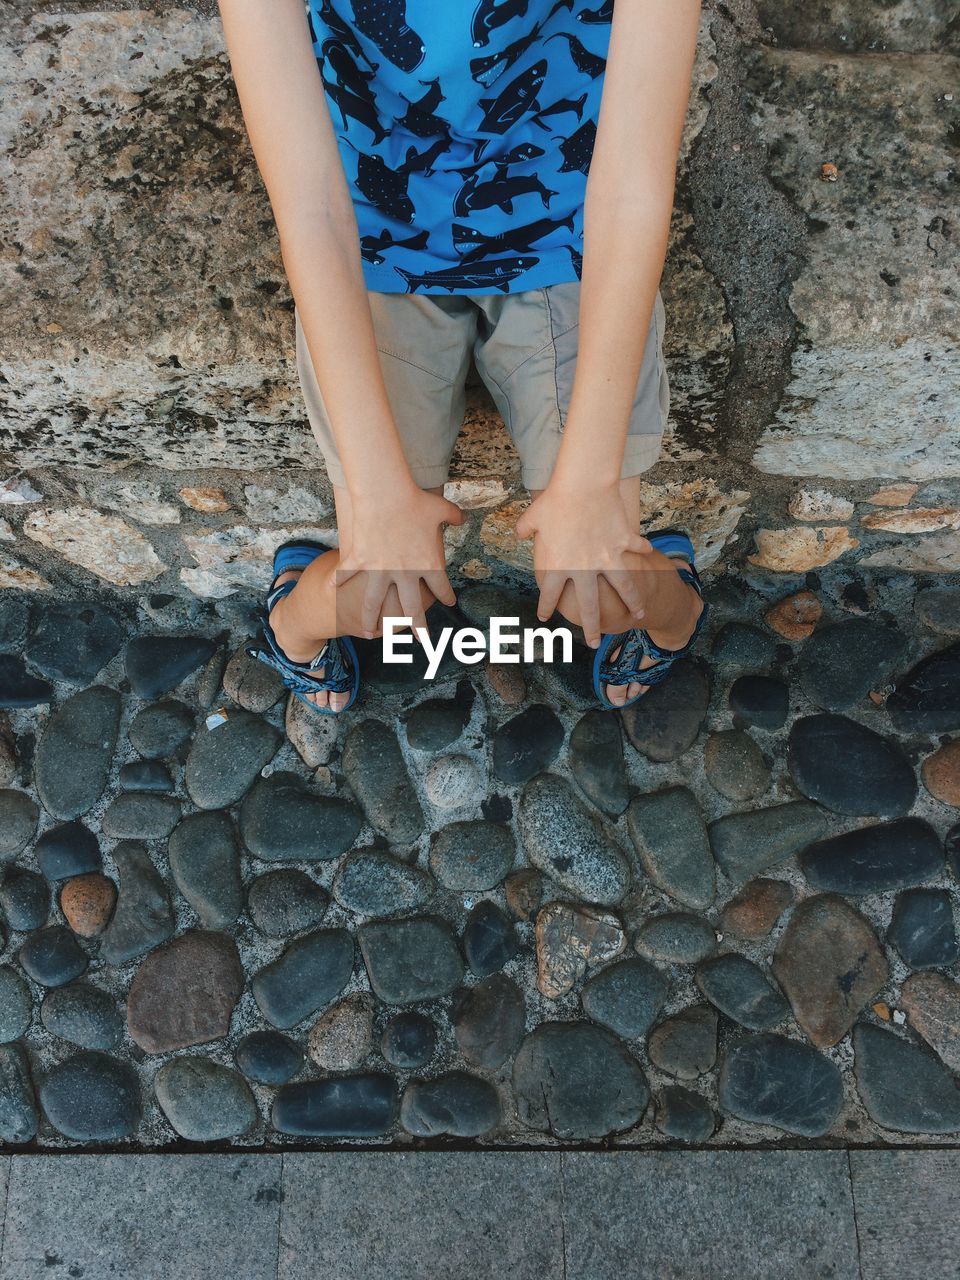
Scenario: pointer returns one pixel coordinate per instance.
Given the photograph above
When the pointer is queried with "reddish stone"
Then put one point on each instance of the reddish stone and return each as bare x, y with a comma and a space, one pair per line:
931, 1002
87, 902
507, 682
756, 908
795, 617
524, 893
184, 992
941, 774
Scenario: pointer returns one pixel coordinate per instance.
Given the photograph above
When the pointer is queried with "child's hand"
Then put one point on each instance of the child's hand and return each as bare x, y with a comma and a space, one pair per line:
580, 536
397, 541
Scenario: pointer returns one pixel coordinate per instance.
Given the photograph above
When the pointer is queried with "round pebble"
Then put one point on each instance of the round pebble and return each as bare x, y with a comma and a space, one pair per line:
92, 1097
489, 939
409, 1041
267, 1057
471, 857
761, 702
25, 898
458, 1104
284, 902
342, 1036
735, 765
676, 938
158, 730
83, 1015
203, 1100
67, 850
87, 903
52, 957
452, 782
941, 774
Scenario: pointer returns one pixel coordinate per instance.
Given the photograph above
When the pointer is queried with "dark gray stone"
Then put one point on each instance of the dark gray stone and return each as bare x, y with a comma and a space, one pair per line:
596, 761
158, 730
488, 1021
358, 1106
267, 1057
741, 990
25, 898
435, 724
939, 608
157, 664
890, 855
670, 839
769, 1079
745, 843
684, 1115
457, 1103
735, 766
19, 816
18, 1107
841, 663
564, 840
143, 916
676, 937
251, 683
471, 857
13, 624
760, 702
92, 1097
372, 882
526, 744
664, 723
927, 698
75, 751
410, 960
281, 820
489, 939
626, 996
922, 929
52, 956
374, 768
145, 775
903, 1087
309, 974
18, 688
66, 851
849, 768
140, 815
739, 644
83, 1015
409, 1040
286, 901
205, 1101
205, 863
73, 642
16, 1005
685, 1045
225, 760
577, 1081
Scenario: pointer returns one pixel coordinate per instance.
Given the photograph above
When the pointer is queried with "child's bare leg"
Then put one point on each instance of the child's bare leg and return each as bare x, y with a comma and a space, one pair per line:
671, 605
317, 609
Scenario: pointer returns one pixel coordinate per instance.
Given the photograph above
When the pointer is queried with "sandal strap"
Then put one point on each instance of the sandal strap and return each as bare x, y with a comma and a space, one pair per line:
636, 644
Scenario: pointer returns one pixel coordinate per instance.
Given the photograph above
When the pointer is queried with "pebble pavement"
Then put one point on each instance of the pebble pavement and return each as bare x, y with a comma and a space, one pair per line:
479, 909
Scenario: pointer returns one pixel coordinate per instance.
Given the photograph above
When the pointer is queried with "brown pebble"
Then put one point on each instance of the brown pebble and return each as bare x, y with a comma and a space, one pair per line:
795, 617
524, 893
882, 1010
87, 902
941, 774
756, 908
507, 682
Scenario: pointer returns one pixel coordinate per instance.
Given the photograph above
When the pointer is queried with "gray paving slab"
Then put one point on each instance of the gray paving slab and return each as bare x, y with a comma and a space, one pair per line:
421, 1216
709, 1215
906, 1205
150, 1216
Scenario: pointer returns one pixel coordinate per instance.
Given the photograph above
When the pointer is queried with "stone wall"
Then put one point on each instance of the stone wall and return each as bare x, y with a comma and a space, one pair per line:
151, 425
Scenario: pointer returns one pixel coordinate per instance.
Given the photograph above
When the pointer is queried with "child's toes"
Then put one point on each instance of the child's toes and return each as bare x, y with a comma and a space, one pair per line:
617, 694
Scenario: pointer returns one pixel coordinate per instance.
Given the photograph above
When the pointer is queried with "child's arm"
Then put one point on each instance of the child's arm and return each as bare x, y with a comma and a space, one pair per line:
579, 520
396, 525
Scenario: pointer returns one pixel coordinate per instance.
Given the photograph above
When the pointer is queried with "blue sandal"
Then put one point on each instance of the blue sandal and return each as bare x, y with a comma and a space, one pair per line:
338, 656
635, 645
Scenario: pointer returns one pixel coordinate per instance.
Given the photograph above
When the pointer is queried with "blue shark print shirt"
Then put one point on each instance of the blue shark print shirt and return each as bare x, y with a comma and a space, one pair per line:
465, 128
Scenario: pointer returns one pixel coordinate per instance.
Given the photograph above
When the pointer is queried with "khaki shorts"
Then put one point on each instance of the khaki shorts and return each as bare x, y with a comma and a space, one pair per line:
525, 348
